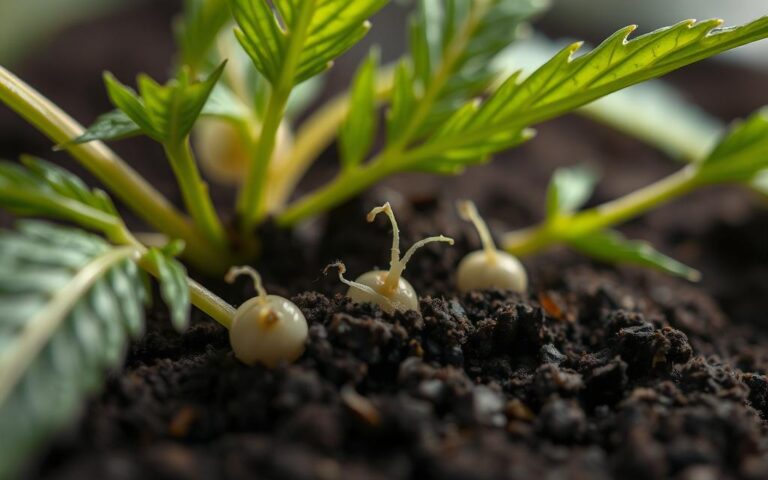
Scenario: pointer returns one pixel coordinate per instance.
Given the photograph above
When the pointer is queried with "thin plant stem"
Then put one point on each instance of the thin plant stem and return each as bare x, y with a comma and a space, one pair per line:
195, 192
531, 240
250, 204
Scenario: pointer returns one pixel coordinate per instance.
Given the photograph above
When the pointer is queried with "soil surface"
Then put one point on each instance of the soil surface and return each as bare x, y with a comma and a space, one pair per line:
597, 373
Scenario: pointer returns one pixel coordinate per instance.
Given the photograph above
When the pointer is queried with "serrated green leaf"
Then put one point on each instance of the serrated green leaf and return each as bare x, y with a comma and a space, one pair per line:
741, 154
566, 82
569, 190
168, 112
403, 102
60, 349
197, 30
173, 287
484, 29
359, 129
126, 99
40, 188
688, 132
114, 125
301, 37
611, 246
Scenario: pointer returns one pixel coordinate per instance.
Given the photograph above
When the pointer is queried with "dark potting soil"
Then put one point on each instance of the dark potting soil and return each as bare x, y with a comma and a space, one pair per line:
597, 373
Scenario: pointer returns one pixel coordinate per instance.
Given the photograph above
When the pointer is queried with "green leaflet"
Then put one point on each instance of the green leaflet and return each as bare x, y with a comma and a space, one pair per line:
687, 133
196, 31
482, 28
63, 333
569, 190
173, 286
403, 102
566, 82
742, 153
359, 129
168, 112
39, 188
114, 125
299, 38
611, 246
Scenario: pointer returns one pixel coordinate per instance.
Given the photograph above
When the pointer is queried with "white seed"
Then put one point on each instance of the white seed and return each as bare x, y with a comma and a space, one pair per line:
404, 297
267, 329
388, 289
489, 267
478, 272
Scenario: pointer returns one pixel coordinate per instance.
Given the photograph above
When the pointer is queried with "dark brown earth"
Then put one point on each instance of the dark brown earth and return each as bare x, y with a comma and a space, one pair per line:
597, 373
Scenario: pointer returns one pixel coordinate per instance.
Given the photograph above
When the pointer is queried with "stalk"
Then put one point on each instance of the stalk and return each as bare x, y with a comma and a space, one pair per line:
352, 182
251, 200
195, 192
123, 181
563, 229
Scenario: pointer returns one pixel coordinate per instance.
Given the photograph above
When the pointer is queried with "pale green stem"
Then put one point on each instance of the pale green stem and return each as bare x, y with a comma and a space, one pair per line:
124, 182
563, 229
251, 201
195, 192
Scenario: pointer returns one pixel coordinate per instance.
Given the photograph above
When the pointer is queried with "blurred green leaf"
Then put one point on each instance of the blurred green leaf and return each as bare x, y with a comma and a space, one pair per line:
173, 287
359, 129
569, 190
741, 154
114, 125
611, 246
61, 334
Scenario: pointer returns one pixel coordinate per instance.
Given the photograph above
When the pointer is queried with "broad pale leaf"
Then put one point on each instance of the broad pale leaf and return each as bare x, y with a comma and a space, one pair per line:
75, 301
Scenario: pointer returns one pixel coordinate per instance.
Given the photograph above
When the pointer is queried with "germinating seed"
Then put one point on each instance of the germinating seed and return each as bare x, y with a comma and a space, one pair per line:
267, 329
489, 267
388, 289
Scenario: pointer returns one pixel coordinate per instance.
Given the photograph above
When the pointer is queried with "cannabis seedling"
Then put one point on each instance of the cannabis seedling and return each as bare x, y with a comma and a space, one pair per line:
267, 329
487, 268
387, 288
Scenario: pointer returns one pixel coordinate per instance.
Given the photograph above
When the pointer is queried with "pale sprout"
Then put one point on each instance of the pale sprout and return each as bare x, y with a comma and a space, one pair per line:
388, 289
489, 267
267, 329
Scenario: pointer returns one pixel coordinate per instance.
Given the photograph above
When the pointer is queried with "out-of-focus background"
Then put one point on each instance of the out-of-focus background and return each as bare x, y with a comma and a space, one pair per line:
27, 24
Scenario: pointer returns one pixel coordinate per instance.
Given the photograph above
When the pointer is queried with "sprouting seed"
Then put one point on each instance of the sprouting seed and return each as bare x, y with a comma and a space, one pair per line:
489, 267
267, 329
387, 288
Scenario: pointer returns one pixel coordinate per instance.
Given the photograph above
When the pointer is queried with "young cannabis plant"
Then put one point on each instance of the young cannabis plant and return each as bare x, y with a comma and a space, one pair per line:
388, 289
740, 157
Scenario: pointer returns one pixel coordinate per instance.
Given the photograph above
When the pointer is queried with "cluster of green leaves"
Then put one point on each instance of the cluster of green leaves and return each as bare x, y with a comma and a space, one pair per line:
452, 45
166, 113
69, 300
421, 137
566, 83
